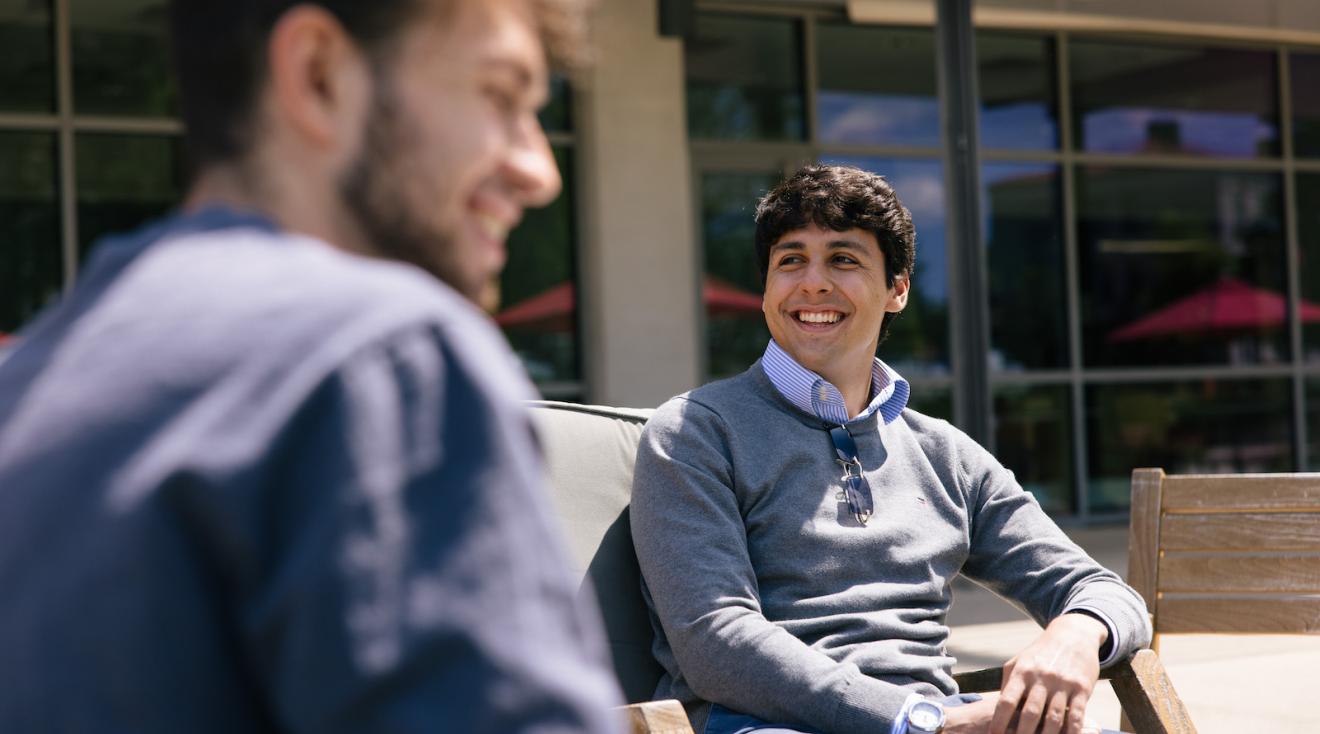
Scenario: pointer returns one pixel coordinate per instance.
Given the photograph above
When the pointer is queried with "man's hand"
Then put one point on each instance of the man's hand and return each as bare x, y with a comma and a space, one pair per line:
974, 718
1047, 686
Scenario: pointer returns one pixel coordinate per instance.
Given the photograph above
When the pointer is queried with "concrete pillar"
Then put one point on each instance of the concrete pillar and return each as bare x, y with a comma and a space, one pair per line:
638, 263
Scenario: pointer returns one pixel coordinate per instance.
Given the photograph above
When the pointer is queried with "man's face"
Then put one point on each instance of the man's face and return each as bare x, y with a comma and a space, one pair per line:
452, 150
825, 297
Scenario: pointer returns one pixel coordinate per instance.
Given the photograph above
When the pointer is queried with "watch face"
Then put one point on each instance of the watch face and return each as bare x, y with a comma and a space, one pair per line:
926, 717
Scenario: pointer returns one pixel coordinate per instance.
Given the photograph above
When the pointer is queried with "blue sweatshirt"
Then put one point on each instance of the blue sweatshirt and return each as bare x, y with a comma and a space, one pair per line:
251, 483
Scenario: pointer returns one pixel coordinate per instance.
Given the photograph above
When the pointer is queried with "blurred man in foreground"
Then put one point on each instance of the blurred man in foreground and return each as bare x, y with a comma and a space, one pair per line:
264, 468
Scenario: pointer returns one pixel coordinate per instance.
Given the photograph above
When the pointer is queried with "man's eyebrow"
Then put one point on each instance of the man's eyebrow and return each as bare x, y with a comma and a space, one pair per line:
503, 64
843, 244
521, 75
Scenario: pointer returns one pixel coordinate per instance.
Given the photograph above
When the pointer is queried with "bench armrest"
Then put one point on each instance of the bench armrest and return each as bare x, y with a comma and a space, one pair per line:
1143, 688
657, 717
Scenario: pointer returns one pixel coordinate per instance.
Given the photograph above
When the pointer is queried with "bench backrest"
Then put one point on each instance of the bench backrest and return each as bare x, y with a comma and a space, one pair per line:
590, 452
1235, 553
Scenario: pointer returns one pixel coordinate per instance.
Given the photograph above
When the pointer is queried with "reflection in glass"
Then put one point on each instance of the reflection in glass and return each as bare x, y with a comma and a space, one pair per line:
1313, 424
27, 74
736, 334
1308, 235
557, 115
1181, 267
1174, 99
1033, 428
877, 85
744, 79
31, 261
121, 57
1017, 91
1205, 426
1304, 76
124, 181
1028, 312
919, 338
935, 401
537, 290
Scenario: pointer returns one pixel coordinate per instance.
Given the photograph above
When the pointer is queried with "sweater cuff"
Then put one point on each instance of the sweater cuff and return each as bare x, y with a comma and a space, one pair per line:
900, 722
1109, 651
869, 706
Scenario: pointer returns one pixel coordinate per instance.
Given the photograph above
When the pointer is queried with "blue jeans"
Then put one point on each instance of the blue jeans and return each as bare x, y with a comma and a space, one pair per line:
725, 721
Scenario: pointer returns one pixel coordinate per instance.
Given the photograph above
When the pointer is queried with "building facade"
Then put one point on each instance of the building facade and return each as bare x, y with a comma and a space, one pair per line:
1150, 201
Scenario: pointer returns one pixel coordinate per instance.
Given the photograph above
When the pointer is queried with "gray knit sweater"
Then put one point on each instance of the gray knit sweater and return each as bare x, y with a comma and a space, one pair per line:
767, 595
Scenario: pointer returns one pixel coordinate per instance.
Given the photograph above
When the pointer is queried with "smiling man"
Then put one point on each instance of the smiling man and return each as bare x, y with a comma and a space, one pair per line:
265, 467
798, 526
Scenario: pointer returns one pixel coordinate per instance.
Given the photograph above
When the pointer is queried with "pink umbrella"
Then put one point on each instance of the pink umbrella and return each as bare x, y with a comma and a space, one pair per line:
552, 309
1228, 305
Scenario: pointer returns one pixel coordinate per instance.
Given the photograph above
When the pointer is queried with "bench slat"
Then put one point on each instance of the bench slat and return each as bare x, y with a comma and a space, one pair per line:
1245, 531
1240, 572
1271, 614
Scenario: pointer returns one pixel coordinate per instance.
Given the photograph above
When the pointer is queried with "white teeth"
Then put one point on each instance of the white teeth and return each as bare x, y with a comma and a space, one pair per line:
828, 317
491, 227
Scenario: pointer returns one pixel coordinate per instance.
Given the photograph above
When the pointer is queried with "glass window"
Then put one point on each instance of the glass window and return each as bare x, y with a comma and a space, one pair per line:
919, 338
1174, 99
124, 181
1308, 230
537, 289
1313, 424
744, 79
1018, 108
121, 58
1028, 311
27, 74
1304, 75
1033, 427
877, 85
31, 261
1181, 267
557, 116
935, 401
736, 333
1204, 426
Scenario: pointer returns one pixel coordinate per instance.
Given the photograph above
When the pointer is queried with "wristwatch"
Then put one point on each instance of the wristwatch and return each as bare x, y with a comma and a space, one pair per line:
926, 717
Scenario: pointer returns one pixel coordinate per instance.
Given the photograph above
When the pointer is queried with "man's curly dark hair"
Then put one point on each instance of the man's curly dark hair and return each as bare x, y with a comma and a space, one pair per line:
839, 198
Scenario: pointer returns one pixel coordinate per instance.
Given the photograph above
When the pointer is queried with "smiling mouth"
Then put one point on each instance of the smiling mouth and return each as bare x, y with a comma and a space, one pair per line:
818, 317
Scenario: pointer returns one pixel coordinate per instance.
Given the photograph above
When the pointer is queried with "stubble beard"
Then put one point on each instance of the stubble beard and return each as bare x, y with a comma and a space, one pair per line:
375, 191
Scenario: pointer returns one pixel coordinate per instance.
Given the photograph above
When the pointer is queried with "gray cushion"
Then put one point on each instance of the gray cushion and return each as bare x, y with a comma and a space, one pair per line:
590, 451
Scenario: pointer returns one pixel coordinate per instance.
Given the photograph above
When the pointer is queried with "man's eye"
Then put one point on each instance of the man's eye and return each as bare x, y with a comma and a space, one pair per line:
505, 101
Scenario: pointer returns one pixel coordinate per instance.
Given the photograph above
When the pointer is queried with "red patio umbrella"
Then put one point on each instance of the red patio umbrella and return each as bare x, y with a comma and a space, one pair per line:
552, 309
1228, 305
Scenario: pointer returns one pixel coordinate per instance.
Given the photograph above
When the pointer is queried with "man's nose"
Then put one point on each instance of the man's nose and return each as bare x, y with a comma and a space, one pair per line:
530, 168
816, 278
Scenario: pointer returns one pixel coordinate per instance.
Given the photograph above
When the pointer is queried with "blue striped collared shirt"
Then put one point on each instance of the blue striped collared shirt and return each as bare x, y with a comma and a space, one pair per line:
813, 394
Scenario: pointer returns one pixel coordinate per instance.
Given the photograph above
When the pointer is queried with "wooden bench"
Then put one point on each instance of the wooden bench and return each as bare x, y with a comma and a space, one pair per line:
1226, 553
590, 452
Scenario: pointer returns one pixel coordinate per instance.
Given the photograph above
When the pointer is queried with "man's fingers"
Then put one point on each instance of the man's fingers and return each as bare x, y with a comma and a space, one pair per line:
1077, 721
1032, 709
1055, 711
1006, 706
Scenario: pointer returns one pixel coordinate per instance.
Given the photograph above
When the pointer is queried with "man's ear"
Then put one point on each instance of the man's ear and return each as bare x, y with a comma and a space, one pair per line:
898, 301
320, 79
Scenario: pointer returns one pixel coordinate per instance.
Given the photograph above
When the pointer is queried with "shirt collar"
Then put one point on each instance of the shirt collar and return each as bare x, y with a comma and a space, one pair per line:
815, 395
